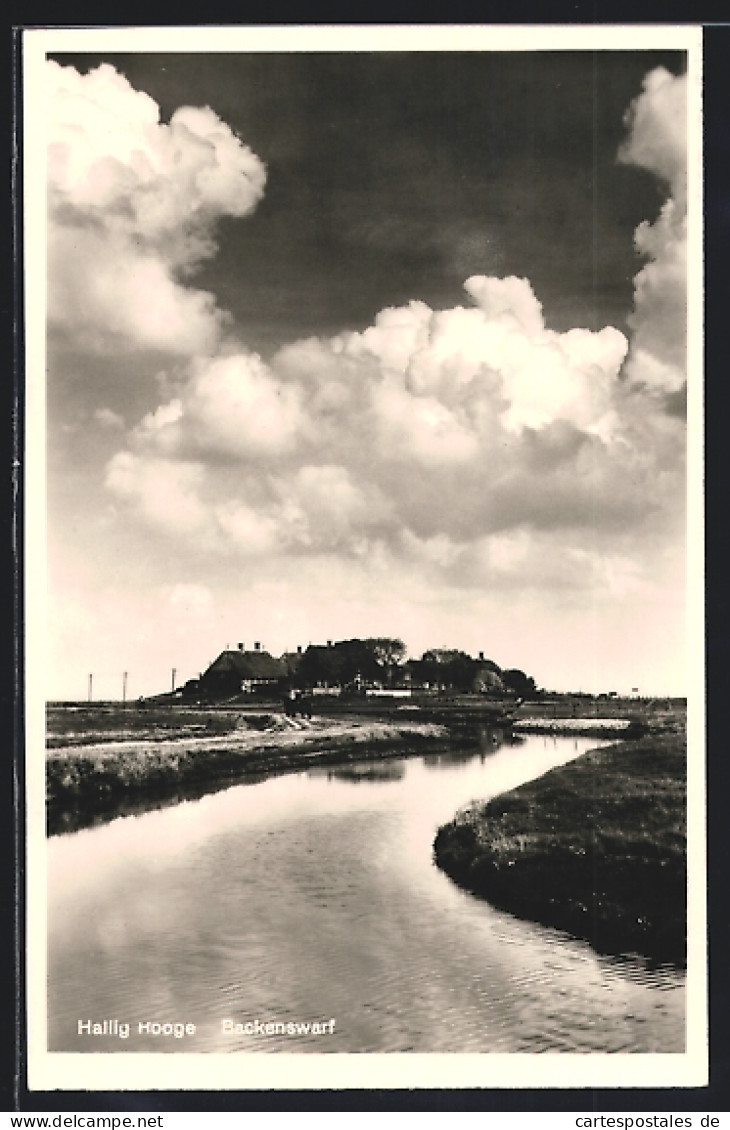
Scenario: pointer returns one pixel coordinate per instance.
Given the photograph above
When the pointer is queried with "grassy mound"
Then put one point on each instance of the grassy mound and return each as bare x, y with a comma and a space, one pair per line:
597, 848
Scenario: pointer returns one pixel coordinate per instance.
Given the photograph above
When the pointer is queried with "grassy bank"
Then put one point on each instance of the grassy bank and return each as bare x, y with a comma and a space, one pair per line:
597, 848
102, 765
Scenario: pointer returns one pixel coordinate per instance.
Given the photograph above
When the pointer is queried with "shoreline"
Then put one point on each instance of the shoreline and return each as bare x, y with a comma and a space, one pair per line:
596, 848
89, 782
580, 727
109, 759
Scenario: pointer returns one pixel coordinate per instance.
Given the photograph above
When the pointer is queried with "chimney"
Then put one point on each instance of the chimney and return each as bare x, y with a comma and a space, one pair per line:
240, 647
329, 643
299, 649
481, 656
257, 646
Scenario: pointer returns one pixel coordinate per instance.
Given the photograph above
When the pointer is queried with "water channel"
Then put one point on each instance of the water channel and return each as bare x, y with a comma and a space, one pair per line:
312, 899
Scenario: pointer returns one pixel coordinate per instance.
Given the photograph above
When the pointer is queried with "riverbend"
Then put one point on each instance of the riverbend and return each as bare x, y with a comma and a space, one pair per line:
597, 847
313, 897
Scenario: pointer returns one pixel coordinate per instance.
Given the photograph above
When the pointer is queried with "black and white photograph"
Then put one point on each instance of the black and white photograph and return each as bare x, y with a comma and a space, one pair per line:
364, 557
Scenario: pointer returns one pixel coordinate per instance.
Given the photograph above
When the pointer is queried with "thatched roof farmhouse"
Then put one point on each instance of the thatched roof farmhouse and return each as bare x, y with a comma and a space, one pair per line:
241, 670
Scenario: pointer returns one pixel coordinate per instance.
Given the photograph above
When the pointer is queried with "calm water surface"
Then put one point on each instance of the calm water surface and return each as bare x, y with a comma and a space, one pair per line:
313, 897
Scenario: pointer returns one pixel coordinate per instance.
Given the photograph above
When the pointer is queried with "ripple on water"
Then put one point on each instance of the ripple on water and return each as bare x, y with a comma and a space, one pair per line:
310, 898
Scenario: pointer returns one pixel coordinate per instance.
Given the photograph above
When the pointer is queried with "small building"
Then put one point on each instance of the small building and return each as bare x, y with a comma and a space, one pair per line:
240, 671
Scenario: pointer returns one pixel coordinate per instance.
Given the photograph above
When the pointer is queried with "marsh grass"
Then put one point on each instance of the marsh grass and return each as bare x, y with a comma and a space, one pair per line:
98, 722
596, 847
90, 778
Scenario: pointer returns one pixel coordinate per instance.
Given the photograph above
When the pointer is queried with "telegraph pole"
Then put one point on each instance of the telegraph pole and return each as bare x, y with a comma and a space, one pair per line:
174, 673
124, 687
91, 684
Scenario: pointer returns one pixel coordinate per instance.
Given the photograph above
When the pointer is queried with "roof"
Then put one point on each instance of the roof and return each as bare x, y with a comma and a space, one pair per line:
290, 660
247, 665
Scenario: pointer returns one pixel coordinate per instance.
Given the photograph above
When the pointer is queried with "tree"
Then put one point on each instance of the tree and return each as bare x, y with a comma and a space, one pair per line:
387, 653
446, 667
461, 671
487, 681
318, 665
519, 683
338, 664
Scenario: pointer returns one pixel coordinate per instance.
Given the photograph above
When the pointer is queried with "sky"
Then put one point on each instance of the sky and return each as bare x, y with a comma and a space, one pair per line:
359, 344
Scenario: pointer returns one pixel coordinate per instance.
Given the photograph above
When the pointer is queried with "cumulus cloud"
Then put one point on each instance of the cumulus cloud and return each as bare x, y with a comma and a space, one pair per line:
428, 429
133, 203
521, 562
657, 141
231, 407
313, 509
164, 493
107, 296
473, 445
657, 124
